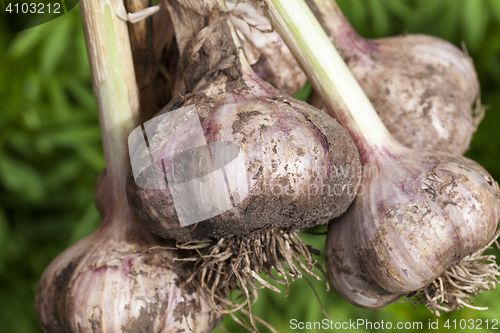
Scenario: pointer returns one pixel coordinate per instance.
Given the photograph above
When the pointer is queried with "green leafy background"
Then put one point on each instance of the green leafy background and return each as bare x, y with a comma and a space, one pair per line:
51, 154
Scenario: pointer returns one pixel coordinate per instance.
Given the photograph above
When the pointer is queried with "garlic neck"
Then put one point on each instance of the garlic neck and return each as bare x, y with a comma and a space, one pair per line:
116, 94
350, 45
209, 53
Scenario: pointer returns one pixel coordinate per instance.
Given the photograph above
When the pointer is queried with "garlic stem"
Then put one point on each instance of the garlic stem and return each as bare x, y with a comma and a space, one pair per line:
115, 91
328, 74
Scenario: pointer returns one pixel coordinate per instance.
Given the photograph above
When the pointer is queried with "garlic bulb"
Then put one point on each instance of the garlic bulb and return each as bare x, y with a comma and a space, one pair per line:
421, 220
416, 215
422, 87
295, 167
111, 281
267, 54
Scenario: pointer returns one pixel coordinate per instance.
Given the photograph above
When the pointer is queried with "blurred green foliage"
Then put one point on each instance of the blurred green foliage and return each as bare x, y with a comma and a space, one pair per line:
51, 154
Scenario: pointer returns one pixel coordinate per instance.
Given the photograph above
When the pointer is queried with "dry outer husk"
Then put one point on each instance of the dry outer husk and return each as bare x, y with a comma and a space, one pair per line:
153, 49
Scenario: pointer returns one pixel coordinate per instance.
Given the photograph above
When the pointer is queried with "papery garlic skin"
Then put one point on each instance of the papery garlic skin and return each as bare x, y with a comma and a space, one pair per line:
267, 54
108, 284
421, 214
300, 167
422, 88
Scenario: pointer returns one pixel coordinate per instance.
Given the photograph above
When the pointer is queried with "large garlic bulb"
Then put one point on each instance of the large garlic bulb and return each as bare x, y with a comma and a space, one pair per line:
115, 280
421, 220
416, 215
422, 87
297, 168
293, 166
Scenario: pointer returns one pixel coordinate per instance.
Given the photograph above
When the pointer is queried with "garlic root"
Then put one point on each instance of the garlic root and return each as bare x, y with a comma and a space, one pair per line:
458, 283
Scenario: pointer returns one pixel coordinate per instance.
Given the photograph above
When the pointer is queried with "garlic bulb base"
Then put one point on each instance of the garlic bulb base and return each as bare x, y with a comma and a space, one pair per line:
468, 278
